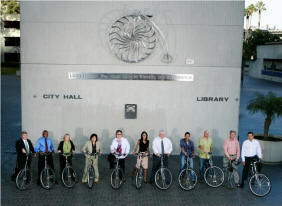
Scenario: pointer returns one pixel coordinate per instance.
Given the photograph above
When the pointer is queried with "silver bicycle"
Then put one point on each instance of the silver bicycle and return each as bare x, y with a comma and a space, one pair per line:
68, 173
214, 175
187, 178
47, 175
259, 183
117, 175
24, 177
163, 177
139, 176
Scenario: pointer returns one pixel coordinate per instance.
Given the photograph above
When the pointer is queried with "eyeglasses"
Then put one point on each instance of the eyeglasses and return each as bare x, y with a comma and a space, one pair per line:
119, 134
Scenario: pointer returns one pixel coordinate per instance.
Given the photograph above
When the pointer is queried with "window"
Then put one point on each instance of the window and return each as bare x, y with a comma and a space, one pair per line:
272, 65
12, 57
12, 41
12, 24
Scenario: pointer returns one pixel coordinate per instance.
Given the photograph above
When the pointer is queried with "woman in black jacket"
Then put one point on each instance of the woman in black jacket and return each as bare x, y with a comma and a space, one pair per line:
65, 146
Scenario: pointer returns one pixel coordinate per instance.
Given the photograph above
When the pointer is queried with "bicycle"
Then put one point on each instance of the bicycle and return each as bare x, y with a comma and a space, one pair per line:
187, 178
230, 174
91, 171
139, 177
24, 177
259, 183
68, 174
214, 176
47, 175
163, 177
117, 175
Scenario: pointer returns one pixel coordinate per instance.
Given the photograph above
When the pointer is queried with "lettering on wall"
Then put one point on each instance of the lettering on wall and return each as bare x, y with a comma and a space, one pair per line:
212, 99
60, 96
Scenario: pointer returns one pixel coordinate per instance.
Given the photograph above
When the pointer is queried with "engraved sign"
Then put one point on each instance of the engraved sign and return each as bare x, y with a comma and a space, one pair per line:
130, 111
130, 76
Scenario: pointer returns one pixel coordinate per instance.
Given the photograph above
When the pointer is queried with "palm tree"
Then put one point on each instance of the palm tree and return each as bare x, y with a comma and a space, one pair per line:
260, 6
270, 105
248, 13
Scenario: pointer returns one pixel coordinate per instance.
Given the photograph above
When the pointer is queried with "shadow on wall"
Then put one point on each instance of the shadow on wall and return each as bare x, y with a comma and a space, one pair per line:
79, 139
106, 140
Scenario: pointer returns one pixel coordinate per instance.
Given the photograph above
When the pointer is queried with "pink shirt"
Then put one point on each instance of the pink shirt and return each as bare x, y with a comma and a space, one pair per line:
231, 147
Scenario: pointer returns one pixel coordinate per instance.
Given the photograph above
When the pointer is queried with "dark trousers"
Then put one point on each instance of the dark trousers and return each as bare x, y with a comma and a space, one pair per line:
63, 162
156, 165
112, 158
41, 163
21, 159
246, 168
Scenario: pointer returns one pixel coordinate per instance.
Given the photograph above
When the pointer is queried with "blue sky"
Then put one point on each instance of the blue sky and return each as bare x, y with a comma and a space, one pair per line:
272, 16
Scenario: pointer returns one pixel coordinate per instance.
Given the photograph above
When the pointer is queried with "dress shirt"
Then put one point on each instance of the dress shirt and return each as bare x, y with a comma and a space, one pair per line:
231, 147
40, 145
250, 149
125, 146
188, 147
26, 146
157, 145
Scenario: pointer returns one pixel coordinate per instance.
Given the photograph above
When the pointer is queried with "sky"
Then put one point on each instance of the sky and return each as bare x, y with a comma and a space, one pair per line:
272, 16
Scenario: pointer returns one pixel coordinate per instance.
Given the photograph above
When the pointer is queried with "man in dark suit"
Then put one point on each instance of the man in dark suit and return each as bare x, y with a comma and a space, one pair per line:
24, 147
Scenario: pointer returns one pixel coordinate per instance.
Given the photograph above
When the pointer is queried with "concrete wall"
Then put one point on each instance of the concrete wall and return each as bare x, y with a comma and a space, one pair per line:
62, 37
265, 52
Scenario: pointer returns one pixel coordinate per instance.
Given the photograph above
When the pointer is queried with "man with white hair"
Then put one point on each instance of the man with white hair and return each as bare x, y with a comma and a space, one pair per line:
161, 146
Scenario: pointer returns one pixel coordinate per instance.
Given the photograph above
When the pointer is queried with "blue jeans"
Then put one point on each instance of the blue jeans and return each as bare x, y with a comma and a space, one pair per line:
203, 163
183, 163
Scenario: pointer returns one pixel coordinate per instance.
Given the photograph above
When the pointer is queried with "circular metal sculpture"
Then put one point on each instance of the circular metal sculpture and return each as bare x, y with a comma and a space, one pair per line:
132, 38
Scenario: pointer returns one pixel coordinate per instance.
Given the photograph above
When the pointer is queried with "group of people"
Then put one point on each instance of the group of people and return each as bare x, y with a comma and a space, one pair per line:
161, 146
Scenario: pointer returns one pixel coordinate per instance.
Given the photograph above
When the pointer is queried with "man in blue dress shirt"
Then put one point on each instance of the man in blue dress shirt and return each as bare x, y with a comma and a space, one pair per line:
44, 145
187, 151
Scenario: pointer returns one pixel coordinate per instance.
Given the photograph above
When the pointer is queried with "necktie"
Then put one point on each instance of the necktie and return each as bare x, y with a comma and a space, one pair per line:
162, 147
26, 146
46, 145
119, 149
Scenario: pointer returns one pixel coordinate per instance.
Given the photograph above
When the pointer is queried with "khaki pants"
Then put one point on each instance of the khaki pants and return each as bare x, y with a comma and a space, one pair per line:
225, 165
86, 167
144, 162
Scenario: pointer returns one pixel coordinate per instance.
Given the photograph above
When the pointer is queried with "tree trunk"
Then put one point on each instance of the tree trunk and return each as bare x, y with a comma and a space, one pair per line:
247, 28
267, 123
259, 16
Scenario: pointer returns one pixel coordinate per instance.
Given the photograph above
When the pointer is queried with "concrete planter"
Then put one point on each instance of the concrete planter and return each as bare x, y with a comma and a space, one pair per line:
271, 148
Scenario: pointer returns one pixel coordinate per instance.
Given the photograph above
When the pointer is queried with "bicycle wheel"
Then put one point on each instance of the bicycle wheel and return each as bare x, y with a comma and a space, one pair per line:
47, 178
90, 177
23, 179
163, 178
230, 179
139, 178
214, 176
68, 177
116, 178
260, 185
187, 179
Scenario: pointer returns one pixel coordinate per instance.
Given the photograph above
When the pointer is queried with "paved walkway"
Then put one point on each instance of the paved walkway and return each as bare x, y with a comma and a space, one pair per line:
103, 194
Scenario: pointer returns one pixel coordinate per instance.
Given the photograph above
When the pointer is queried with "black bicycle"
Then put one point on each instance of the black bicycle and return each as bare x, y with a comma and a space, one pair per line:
117, 175
139, 176
91, 171
47, 175
259, 183
68, 173
187, 178
214, 176
231, 174
24, 177
163, 177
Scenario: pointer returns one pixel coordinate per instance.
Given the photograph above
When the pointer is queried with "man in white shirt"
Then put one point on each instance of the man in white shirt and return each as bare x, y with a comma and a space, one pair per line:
251, 150
161, 146
120, 146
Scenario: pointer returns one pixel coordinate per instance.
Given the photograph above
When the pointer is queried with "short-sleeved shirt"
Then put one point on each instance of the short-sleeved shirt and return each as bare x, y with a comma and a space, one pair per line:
188, 146
207, 144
